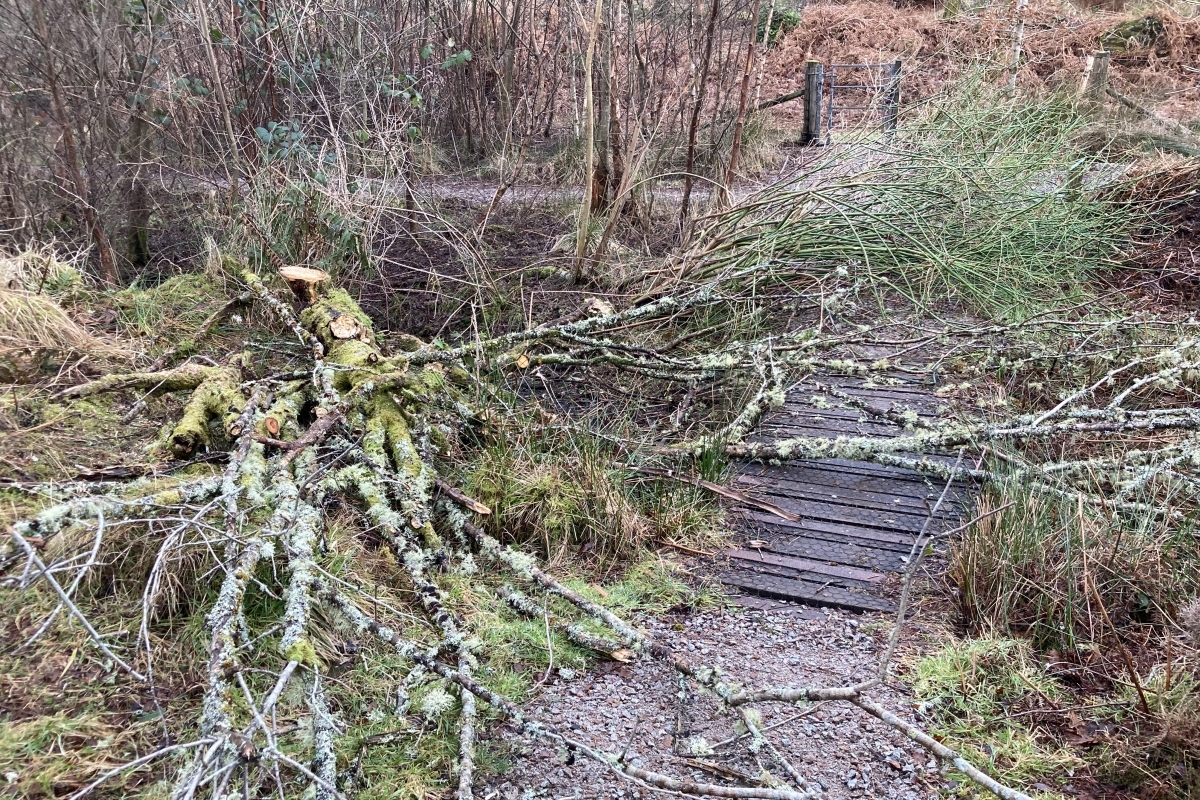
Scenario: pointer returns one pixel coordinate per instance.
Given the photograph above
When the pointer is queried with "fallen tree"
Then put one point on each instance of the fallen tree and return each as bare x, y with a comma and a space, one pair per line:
1102, 417
365, 428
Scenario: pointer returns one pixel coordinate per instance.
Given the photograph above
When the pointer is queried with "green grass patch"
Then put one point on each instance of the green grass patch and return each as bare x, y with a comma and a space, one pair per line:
564, 493
971, 688
981, 198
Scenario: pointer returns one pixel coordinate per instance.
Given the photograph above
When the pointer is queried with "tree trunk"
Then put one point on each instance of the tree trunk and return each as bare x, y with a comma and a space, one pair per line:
743, 104
108, 263
589, 144
694, 125
137, 245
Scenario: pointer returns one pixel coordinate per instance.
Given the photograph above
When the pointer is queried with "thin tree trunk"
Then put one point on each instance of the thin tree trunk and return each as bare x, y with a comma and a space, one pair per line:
137, 246
585, 208
743, 104
617, 155
1018, 42
234, 177
602, 179
108, 263
694, 125
766, 44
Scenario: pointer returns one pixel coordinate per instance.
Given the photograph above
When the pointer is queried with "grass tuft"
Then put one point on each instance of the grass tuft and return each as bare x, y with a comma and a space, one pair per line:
981, 199
971, 688
1043, 566
565, 493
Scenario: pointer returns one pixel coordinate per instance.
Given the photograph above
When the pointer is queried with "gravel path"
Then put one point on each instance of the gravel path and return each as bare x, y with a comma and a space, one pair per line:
635, 707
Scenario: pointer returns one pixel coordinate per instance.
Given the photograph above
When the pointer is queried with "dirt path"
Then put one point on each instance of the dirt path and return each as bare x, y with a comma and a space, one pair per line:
478, 192
636, 706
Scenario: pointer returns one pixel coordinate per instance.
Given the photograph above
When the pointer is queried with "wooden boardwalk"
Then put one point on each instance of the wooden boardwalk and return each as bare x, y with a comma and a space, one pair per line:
853, 523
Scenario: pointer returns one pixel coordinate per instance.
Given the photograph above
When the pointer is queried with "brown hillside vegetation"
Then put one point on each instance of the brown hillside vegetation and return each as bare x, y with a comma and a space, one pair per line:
1155, 53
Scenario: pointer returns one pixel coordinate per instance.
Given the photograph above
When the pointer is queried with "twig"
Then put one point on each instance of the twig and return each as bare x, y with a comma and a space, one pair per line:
915, 556
75, 612
938, 749
91, 560
716, 488
137, 762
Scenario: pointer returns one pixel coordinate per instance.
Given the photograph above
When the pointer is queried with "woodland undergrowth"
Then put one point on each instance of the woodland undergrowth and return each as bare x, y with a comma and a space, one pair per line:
329, 556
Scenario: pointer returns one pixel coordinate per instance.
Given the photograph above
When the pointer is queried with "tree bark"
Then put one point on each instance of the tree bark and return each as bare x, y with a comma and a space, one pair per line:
743, 105
589, 143
694, 125
108, 263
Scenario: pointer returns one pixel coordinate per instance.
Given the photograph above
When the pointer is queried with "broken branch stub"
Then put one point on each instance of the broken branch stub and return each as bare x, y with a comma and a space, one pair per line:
305, 283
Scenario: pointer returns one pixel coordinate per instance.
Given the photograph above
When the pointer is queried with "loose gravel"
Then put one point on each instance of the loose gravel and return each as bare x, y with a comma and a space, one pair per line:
635, 708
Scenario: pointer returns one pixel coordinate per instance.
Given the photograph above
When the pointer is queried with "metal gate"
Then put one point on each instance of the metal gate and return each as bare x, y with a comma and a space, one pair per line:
850, 95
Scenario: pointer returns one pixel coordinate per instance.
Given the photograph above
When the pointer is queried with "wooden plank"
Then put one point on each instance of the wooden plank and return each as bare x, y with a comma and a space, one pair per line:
816, 428
847, 553
916, 502
833, 480
808, 592
861, 553
896, 403
896, 521
829, 530
805, 565
858, 520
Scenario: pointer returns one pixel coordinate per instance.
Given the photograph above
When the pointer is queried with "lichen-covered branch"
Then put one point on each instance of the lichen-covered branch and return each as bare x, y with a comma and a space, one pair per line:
365, 431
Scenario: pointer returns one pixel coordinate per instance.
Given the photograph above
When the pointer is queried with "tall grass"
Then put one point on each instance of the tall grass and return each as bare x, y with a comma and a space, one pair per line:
1063, 574
1100, 593
981, 198
567, 493
972, 688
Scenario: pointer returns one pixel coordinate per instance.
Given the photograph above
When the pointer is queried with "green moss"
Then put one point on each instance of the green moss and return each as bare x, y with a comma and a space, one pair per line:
303, 652
180, 301
285, 410
970, 688
1138, 34
405, 342
352, 353
167, 498
384, 423
218, 397
321, 314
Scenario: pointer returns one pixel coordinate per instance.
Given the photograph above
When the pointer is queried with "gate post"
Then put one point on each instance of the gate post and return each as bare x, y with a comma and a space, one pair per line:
814, 79
891, 101
1095, 81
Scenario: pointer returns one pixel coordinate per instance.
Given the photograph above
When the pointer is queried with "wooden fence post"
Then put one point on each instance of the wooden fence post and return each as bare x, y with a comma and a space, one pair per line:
1094, 85
814, 78
891, 100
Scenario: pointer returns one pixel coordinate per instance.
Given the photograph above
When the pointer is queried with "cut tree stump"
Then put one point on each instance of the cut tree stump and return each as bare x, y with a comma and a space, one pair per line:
305, 283
857, 520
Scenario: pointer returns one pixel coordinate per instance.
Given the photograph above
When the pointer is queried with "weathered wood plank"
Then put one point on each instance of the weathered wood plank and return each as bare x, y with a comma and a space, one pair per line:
829, 530
805, 565
810, 592
857, 520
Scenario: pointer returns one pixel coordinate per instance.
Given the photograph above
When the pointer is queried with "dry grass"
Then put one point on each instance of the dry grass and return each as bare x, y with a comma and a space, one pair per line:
567, 494
1059, 573
1105, 597
35, 322
33, 326
936, 50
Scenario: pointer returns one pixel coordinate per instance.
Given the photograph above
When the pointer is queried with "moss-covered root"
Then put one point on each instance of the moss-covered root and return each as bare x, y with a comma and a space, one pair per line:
180, 379
217, 398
